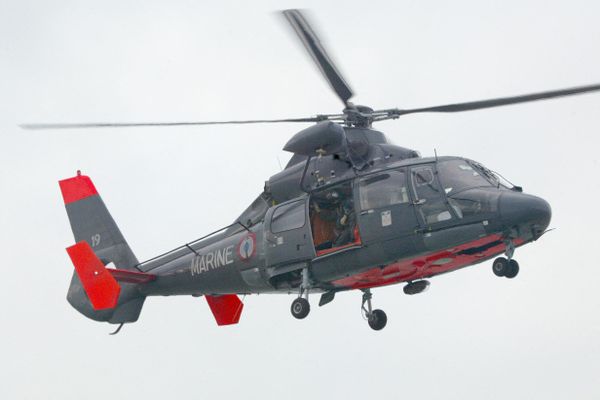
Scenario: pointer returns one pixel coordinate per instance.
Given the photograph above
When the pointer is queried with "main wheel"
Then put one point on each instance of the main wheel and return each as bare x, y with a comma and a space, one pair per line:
500, 266
377, 320
513, 269
300, 308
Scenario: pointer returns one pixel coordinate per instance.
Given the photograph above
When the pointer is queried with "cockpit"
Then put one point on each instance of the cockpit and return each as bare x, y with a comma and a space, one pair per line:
458, 175
471, 189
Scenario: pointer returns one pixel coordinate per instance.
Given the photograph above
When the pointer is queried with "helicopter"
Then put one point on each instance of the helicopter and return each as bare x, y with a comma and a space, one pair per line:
350, 211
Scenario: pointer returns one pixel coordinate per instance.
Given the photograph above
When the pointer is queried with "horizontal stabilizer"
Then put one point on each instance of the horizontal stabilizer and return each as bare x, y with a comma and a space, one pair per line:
227, 308
100, 286
122, 275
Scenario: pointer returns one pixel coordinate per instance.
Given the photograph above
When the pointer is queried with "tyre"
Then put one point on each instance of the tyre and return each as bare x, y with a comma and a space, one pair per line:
377, 320
500, 266
513, 269
300, 308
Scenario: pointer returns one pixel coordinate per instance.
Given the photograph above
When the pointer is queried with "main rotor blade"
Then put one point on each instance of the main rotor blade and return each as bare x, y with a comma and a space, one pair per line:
316, 50
139, 124
503, 101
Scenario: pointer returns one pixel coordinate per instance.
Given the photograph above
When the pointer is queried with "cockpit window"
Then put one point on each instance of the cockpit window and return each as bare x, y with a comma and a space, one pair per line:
423, 176
494, 177
429, 198
383, 190
458, 175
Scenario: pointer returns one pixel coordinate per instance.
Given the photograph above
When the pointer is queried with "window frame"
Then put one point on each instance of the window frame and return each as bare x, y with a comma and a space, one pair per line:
289, 205
403, 171
477, 168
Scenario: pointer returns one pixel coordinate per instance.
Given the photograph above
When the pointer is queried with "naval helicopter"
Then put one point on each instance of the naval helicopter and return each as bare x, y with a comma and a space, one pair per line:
350, 211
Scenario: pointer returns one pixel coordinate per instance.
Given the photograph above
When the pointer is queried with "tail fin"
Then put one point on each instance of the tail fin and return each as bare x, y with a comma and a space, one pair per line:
92, 223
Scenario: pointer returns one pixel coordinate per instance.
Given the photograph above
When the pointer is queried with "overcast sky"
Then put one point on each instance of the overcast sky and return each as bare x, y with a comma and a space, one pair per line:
471, 336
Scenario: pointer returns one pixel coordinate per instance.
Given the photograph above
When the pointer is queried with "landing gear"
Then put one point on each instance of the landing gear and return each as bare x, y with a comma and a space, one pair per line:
300, 306
506, 268
500, 266
376, 318
513, 269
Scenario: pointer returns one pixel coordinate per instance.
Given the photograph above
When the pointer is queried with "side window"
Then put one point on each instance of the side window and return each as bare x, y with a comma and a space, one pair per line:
288, 216
430, 198
423, 183
383, 190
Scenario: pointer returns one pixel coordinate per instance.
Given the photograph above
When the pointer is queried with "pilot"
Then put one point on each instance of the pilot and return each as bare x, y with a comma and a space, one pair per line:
345, 223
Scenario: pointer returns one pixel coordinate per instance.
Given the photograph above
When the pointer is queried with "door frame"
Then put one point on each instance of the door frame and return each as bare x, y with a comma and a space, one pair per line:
279, 247
418, 203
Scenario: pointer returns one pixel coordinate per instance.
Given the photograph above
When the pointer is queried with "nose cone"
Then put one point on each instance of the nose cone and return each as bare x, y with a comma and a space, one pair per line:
525, 211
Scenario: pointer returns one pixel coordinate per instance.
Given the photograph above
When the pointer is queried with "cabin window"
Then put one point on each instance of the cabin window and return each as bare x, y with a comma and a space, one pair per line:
288, 216
383, 190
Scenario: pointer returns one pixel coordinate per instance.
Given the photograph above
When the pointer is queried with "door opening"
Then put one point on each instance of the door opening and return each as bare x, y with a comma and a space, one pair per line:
333, 219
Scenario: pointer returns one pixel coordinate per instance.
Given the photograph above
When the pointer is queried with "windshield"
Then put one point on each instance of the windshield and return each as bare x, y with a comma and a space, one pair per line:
458, 175
496, 179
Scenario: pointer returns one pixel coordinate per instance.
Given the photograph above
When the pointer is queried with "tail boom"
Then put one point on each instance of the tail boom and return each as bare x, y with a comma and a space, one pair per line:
115, 295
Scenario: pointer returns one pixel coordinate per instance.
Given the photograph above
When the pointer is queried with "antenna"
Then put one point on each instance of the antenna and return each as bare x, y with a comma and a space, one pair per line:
435, 153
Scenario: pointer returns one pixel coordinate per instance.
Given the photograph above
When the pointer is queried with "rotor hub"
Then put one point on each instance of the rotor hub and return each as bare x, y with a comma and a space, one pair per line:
358, 116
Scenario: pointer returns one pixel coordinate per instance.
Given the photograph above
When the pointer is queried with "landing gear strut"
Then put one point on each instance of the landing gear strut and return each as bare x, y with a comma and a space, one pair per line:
506, 267
376, 318
300, 306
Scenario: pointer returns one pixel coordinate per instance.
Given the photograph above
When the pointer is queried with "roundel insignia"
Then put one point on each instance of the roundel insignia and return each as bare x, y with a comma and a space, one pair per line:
247, 247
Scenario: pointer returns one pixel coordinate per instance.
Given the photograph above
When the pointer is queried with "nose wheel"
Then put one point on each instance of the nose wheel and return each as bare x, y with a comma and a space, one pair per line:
506, 268
377, 319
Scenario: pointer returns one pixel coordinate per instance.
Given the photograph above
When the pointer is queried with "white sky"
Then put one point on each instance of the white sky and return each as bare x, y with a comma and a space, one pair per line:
471, 336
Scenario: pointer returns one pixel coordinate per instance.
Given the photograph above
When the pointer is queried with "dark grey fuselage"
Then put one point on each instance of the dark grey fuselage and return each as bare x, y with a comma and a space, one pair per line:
389, 233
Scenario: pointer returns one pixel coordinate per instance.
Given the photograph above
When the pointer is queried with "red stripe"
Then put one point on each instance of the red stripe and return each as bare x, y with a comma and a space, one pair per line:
425, 266
77, 188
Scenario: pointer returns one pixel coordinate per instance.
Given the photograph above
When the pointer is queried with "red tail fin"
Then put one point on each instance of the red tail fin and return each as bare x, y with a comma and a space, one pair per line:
99, 285
227, 308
